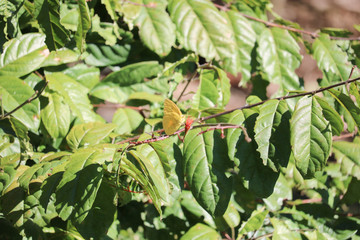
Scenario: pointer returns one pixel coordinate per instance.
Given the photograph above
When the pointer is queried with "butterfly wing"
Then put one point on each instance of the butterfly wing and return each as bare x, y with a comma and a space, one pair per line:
172, 117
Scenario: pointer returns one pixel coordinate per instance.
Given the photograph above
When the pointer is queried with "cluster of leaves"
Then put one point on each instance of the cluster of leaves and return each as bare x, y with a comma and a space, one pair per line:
63, 168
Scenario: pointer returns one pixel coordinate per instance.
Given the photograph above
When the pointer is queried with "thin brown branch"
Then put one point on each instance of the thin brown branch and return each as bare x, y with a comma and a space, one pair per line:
302, 201
187, 84
39, 75
281, 98
29, 100
344, 136
211, 127
227, 236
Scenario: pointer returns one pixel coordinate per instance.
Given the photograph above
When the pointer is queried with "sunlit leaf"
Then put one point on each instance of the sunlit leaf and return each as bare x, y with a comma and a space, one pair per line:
310, 136
245, 41
84, 24
156, 28
84, 135
347, 154
272, 130
280, 56
48, 16
196, 31
56, 116
213, 91
255, 222
23, 55
15, 92
103, 55
330, 58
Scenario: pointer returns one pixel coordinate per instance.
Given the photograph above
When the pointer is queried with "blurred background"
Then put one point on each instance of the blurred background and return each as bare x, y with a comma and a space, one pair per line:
311, 15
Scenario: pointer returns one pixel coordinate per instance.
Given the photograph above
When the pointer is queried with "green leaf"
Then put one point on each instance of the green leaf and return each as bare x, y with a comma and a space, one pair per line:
194, 210
130, 11
230, 219
355, 91
56, 116
10, 12
233, 134
156, 170
9, 148
59, 57
245, 39
21, 132
112, 6
282, 191
279, 54
84, 24
13, 200
152, 98
103, 55
205, 163
23, 55
87, 134
7, 176
282, 231
311, 136
48, 16
348, 105
352, 194
254, 223
170, 157
37, 173
134, 73
110, 92
147, 178
197, 32
214, 90
69, 17
201, 232
103, 208
170, 68
103, 30
87, 76
157, 31
337, 124
272, 130
74, 94
330, 58
126, 120
15, 92
80, 182
258, 178
347, 155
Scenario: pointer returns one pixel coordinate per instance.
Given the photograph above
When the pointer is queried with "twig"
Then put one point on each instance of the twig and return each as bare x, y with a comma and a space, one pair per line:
281, 98
29, 100
187, 84
211, 127
302, 201
347, 135
226, 235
